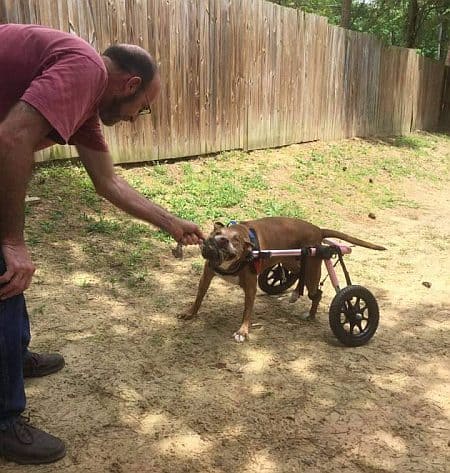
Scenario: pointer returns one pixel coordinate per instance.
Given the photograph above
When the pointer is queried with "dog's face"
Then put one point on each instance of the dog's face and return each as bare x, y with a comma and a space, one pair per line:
226, 244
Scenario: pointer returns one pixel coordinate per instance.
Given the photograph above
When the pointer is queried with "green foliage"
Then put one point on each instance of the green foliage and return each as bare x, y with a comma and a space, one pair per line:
325, 183
388, 20
330, 9
412, 142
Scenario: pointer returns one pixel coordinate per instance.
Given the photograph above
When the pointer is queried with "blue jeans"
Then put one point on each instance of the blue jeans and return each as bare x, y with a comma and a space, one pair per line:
14, 340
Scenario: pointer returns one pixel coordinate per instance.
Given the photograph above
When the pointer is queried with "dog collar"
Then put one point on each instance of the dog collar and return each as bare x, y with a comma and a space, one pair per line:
232, 270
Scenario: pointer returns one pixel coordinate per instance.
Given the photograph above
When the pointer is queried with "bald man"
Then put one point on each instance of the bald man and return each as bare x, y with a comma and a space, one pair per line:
55, 88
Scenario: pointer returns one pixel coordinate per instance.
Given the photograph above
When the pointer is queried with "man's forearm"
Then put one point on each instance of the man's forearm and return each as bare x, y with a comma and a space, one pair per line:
123, 196
20, 132
16, 165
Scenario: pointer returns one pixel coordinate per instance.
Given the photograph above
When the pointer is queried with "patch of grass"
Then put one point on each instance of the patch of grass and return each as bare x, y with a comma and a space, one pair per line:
161, 175
47, 226
161, 302
274, 208
83, 283
254, 181
197, 266
33, 238
100, 225
134, 231
319, 182
415, 142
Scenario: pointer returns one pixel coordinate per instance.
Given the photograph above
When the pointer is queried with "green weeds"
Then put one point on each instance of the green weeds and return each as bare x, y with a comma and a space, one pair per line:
316, 182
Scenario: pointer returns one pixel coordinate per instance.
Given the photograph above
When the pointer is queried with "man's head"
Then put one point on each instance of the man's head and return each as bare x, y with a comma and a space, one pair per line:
133, 83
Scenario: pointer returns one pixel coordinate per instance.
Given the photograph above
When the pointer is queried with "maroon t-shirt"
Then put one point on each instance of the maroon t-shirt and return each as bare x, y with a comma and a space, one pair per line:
57, 73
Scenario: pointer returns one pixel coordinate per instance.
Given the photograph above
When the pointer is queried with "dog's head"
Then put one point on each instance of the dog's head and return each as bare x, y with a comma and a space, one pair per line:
226, 244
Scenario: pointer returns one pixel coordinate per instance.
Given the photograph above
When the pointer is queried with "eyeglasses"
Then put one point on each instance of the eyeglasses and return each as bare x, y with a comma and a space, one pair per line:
145, 111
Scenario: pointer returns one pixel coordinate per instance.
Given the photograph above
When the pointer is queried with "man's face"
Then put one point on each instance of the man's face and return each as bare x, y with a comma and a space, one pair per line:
127, 108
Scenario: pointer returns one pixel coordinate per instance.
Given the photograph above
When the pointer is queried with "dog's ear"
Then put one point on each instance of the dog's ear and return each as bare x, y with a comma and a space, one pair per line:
248, 243
248, 248
218, 226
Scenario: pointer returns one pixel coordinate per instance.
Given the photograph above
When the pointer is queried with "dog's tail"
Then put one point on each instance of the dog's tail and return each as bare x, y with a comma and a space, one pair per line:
356, 241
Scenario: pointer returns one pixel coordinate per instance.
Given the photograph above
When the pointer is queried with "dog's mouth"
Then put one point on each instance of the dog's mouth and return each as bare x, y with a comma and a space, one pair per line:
214, 253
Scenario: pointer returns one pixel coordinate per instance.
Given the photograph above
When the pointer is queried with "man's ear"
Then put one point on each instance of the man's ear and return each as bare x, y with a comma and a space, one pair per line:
132, 85
218, 226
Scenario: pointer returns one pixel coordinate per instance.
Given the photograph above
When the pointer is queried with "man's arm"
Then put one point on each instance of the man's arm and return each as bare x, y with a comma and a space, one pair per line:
112, 187
20, 133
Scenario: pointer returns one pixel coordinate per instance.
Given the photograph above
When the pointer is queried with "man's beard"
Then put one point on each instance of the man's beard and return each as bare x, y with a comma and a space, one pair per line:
111, 114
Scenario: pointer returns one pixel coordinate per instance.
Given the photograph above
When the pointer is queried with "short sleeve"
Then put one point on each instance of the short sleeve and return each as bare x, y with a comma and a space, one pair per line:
67, 92
90, 135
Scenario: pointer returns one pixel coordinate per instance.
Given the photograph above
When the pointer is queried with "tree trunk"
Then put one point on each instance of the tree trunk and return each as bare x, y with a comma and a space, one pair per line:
346, 13
411, 26
444, 40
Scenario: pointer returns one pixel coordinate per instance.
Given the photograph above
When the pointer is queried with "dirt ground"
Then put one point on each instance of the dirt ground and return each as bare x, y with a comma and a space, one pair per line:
145, 392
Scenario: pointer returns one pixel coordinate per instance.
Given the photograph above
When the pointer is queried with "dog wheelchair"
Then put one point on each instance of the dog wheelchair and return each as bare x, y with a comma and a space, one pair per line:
353, 313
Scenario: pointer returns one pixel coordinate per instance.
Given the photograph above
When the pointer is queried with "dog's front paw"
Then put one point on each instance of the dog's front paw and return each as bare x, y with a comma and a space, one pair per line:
186, 315
294, 296
307, 316
240, 336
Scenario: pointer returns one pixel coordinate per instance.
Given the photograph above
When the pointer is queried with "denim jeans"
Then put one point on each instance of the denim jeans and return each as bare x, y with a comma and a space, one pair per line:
14, 340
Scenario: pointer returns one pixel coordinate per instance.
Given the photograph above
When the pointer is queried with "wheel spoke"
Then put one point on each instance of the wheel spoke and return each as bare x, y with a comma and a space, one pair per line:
359, 325
277, 276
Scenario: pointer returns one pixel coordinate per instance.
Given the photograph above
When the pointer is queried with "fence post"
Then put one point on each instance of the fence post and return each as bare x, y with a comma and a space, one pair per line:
444, 121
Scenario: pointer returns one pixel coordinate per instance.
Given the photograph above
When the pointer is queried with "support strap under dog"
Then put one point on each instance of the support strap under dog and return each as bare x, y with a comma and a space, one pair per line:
302, 273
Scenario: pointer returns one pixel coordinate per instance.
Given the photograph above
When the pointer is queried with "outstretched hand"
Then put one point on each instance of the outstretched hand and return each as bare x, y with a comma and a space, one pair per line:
187, 233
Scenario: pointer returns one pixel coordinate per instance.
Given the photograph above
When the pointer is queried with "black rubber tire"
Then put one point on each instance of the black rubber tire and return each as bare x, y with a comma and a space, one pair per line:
276, 279
355, 324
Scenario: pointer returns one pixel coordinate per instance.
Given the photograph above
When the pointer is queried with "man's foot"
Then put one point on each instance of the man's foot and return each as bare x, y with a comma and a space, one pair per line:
26, 445
41, 364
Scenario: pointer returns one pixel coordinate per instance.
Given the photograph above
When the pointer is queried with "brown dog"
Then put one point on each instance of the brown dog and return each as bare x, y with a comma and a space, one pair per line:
227, 251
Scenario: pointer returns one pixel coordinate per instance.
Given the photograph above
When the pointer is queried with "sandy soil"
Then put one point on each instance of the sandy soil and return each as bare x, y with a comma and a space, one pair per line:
145, 392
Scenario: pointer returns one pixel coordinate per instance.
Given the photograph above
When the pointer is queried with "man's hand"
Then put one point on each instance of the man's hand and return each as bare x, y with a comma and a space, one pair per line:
19, 270
186, 232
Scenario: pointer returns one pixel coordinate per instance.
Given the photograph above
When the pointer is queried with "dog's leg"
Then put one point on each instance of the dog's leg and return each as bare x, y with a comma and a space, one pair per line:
203, 286
315, 303
312, 280
248, 283
295, 293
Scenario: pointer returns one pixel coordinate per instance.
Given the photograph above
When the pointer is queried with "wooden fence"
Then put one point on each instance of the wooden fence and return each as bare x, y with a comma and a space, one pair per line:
247, 74
444, 123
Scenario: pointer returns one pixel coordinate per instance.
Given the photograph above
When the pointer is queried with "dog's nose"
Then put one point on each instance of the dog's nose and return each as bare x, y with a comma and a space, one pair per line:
222, 241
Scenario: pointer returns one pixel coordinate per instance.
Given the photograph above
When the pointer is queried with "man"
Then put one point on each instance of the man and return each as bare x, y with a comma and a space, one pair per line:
54, 87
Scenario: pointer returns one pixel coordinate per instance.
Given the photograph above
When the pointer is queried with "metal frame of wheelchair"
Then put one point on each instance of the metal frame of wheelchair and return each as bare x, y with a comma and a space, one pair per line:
353, 313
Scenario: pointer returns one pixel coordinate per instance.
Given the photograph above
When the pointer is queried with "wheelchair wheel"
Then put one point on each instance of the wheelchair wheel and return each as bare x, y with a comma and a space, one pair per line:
276, 279
354, 316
